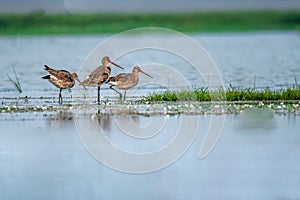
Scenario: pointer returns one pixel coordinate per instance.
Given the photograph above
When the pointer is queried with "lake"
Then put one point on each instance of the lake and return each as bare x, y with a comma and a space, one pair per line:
91, 154
42, 157
263, 59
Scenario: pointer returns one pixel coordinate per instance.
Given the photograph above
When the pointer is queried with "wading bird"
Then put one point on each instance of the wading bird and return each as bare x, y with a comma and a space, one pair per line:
100, 75
126, 80
61, 79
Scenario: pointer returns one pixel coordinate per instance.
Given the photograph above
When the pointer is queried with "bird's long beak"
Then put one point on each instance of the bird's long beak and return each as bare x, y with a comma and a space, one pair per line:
116, 64
80, 83
78, 80
146, 74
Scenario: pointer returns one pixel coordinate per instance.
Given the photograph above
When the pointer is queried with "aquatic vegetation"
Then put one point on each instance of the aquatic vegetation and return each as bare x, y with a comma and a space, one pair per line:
15, 82
203, 94
161, 108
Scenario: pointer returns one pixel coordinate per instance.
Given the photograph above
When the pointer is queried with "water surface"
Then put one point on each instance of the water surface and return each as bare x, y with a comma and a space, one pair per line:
262, 59
42, 158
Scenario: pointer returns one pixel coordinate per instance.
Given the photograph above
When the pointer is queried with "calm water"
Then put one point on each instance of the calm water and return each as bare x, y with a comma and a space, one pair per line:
68, 6
266, 59
42, 158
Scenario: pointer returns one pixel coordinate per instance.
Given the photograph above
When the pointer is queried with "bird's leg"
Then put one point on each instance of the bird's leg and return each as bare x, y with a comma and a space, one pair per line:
125, 95
111, 87
60, 100
98, 95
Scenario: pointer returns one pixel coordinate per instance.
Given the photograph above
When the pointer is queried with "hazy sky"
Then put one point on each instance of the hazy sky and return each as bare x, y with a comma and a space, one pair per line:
7, 6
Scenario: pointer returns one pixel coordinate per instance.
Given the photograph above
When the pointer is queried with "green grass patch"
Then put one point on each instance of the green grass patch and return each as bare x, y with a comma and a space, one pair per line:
15, 82
40, 23
203, 94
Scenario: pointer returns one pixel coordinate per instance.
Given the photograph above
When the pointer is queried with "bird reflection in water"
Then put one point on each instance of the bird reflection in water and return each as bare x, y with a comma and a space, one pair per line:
256, 118
104, 120
61, 120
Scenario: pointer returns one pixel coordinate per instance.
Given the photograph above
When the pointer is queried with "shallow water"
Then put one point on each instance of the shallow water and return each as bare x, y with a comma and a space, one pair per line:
117, 6
262, 59
46, 155
42, 157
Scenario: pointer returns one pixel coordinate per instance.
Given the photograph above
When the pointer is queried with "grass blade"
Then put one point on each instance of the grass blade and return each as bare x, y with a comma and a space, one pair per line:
16, 83
295, 79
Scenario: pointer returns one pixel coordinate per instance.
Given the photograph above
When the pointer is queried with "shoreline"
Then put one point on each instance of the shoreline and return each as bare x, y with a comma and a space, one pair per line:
160, 108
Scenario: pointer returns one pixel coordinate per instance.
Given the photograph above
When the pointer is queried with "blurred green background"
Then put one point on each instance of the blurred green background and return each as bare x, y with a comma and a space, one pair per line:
31, 17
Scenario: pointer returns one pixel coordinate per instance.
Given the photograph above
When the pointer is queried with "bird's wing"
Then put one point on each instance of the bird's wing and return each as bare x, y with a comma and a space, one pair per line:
123, 77
96, 77
115, 78
62, 75
59, 74
97, 72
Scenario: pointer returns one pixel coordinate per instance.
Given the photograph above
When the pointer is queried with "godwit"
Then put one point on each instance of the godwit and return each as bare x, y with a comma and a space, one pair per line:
100, 75
61, 79
126, 80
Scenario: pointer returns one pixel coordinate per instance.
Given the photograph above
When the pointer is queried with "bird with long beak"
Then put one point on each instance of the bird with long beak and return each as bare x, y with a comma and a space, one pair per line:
126, 80
62, 79
100, 75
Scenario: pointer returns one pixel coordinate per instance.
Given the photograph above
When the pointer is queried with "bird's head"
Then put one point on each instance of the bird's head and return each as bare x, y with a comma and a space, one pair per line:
137, 69
75, 76
106, 62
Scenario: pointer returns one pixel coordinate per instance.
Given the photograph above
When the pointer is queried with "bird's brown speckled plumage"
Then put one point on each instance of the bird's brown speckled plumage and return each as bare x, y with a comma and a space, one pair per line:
99, 75
62, 79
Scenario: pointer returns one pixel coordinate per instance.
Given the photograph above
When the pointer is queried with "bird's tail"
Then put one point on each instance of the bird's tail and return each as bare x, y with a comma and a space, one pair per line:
110, 79
47, 68
45, 77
